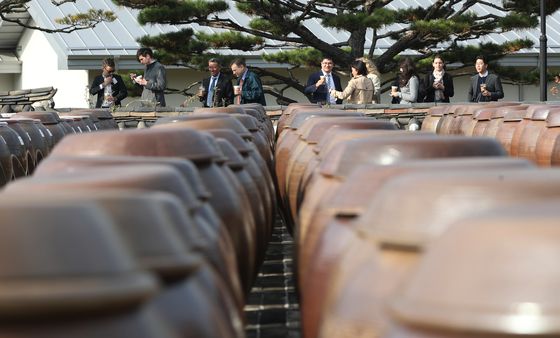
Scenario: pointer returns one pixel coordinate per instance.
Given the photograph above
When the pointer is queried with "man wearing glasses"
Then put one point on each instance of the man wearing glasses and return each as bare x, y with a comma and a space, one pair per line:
320, 83
154, 80
109, 87
217, 90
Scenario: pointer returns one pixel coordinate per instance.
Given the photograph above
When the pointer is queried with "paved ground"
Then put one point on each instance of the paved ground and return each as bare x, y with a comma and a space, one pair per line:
273, 308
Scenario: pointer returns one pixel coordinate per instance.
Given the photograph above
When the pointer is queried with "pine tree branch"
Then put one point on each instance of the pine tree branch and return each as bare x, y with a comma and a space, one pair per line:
466, 6
489, 4
71, 23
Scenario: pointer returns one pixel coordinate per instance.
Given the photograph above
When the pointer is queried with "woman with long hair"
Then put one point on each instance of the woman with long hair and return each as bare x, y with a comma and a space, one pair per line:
374, 76
406, 89
359, 89
438, 83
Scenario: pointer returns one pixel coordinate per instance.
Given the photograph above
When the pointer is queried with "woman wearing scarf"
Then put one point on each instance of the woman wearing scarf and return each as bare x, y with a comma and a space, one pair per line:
439, 83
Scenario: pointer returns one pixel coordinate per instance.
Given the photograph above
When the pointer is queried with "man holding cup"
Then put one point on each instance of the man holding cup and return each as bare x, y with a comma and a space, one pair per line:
484, 86
109, 87
320, 83
248, 88
216, 90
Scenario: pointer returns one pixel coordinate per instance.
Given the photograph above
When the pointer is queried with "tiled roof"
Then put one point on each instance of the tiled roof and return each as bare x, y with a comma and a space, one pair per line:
118, 38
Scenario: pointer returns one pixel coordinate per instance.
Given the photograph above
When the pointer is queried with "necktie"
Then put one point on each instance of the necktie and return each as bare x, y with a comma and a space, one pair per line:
210, 97
330, 85
238, 98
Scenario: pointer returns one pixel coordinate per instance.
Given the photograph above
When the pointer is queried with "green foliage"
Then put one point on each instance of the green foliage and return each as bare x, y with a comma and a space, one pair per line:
518, 21
441, 28
85, 19
359, 20
304, 56
531, 7
234, 40
177, 12
513, 74
268, 8
175, 46
280, 29
137, 4
69, 23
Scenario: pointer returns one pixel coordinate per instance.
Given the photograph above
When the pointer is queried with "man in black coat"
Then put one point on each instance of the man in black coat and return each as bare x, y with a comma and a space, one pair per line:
320, 83
109, 87
217, 90
484, 86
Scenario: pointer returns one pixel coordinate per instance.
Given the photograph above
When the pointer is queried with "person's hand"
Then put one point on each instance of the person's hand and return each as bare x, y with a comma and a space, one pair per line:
141, 81
554, 90
107, 81
332, 93
110, 98
132, 76
485, 92
320, 82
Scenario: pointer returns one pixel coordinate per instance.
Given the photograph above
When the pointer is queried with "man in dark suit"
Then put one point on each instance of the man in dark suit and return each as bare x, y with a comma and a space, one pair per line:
109, 87
249, 88
217, 89
484, 85
320, 83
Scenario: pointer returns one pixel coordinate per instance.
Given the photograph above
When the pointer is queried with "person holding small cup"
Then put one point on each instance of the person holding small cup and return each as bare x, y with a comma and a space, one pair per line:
484, 86
109, 87
248, 88
216, 90
405, 89
360, 88
438, 85
320, 83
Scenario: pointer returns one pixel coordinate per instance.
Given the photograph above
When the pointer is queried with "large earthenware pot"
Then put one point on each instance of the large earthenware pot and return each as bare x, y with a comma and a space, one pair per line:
490, 284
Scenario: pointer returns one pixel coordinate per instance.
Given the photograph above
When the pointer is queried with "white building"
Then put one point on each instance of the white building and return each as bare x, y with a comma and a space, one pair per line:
69, 62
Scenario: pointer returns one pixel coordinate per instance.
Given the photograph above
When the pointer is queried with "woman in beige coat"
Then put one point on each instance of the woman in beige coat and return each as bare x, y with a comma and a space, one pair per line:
375, 77
360, 88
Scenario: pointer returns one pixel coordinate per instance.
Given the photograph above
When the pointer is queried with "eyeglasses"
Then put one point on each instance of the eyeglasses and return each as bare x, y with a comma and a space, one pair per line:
109, 70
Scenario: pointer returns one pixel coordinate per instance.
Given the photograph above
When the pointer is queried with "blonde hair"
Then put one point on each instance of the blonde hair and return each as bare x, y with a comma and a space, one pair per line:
371, 68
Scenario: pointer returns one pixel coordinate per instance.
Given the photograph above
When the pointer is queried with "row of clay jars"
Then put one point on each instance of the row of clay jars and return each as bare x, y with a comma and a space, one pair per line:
226, 195
456, 120
521, 129
295, 152
385, 148
202, 121
259, 124
28, 143
384, 245
336, 238
36, 133
527, 132
262, 208
287, 139
89, 267
102, 118
180, 178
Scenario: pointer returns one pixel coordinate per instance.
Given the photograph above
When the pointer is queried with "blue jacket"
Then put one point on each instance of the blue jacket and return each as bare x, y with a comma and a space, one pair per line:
319, 94
252, 90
